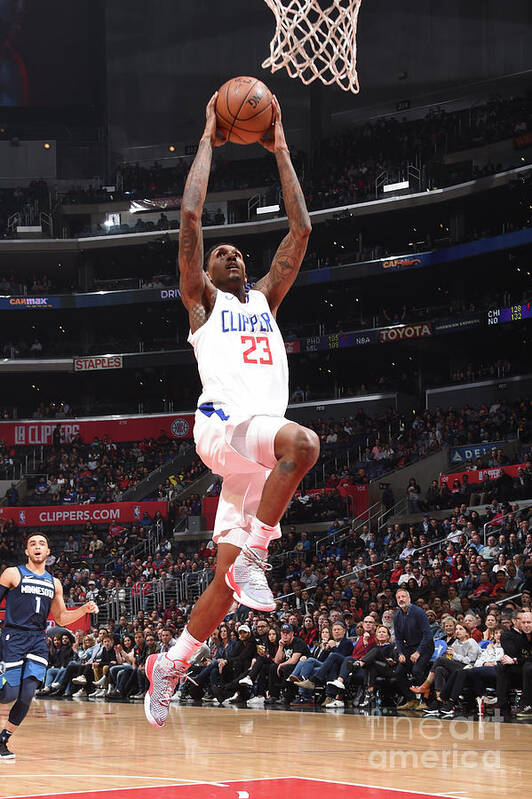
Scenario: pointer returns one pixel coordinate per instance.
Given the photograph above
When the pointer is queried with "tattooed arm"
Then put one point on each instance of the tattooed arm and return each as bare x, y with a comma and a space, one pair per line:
197, 292
291, 251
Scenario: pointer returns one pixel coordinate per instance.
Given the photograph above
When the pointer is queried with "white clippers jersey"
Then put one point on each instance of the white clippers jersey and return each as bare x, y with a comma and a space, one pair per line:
242, 358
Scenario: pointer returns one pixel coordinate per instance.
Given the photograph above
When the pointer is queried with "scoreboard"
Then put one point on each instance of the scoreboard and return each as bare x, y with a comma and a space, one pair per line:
512, 314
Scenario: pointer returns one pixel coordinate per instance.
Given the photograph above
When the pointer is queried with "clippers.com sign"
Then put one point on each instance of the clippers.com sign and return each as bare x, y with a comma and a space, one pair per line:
117, 512
116, 428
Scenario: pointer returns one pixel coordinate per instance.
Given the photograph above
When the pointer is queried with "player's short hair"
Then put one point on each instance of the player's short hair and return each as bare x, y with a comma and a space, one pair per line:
33, 535
215, 247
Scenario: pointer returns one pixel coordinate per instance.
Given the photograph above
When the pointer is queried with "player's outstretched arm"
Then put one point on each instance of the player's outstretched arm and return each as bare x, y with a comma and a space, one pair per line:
289, 256
59, 609
192, 280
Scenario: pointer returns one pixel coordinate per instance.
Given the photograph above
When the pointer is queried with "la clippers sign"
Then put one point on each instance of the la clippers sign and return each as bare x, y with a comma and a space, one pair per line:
116, 428
41, 433
475, 476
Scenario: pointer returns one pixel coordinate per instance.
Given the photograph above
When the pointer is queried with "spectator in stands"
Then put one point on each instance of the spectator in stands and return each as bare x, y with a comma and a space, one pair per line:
463, 652
309, 631
473, 682
379, 662
484, 591
258, 675
309, 578
224, 647
57, 662
415, 645
11, 496
341, 664
36, 348
79, 665
492, 624
436, 630
148, 646
290, 649
319, 651
413, 495
231, 671
515, 667
527, 573
339, 645
121, 671
434, 496
101, 665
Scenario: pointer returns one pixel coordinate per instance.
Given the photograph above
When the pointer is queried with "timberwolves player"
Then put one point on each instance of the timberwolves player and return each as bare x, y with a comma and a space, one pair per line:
31, 592
240, 430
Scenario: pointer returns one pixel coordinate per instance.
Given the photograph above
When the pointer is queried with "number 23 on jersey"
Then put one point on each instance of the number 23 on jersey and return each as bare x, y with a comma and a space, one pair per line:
258, 350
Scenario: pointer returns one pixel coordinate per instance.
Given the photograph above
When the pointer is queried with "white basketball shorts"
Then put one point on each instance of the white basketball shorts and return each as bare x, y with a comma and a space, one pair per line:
244, 455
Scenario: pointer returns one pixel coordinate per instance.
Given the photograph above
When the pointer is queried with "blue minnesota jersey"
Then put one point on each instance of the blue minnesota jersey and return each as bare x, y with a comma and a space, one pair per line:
28, 605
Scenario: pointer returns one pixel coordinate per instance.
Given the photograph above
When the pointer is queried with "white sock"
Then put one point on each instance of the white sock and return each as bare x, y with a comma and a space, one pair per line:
261, 534
185, 647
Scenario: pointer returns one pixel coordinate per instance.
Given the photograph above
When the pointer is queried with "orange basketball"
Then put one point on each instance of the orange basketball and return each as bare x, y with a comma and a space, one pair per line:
244, 109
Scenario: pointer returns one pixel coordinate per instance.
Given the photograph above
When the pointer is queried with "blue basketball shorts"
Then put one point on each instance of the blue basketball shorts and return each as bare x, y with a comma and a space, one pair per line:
23, 653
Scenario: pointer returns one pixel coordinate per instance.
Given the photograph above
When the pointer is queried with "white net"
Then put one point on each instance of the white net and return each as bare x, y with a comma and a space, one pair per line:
312, 41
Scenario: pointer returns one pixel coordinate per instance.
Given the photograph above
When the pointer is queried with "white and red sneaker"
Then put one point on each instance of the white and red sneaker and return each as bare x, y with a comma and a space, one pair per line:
163, 675
247, 578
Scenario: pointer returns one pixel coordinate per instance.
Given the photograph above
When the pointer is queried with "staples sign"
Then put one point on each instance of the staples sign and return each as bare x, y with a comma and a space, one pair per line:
97, 363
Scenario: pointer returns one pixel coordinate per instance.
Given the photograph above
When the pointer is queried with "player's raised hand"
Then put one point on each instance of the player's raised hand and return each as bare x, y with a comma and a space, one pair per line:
275, 139
216, 135
91, 607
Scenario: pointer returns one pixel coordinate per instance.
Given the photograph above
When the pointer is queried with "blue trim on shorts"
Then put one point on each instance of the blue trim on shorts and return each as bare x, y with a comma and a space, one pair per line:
30, 668
208, 409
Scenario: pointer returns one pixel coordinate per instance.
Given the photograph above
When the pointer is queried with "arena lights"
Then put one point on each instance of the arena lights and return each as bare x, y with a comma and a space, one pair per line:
47, 145
112, 220
268, 209
171, 147
403, 184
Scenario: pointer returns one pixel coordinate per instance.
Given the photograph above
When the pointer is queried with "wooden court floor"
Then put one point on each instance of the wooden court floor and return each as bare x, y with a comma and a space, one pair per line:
102, 747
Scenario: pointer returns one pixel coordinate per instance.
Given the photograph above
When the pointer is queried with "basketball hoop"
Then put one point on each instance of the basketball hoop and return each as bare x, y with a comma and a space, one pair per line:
314, 42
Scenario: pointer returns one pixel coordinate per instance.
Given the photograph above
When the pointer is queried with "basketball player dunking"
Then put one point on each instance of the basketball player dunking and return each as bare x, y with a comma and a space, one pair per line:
240, 430
30, 592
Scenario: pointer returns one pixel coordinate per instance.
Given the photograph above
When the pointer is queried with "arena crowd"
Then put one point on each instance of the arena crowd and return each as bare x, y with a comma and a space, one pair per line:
336, 637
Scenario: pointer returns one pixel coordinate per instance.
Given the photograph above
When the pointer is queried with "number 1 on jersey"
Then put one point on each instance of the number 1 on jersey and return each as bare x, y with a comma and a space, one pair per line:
264, 352
37, 604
